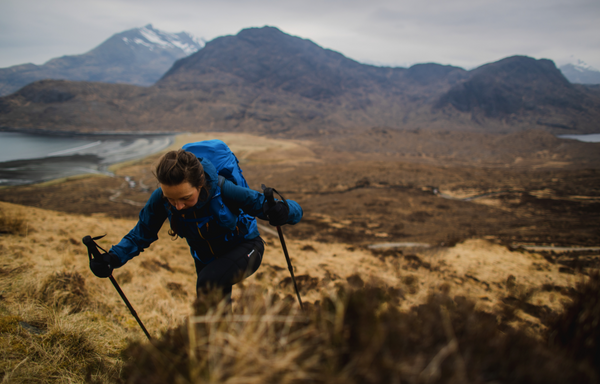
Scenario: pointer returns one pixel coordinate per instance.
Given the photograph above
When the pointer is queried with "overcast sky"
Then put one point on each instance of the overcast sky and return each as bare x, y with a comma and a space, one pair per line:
465, 33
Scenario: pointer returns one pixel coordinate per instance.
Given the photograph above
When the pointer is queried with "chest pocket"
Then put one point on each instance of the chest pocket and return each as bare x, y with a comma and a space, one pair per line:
207, 229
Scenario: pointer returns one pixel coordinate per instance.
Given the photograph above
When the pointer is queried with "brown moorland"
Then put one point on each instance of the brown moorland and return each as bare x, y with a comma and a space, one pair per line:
414, 234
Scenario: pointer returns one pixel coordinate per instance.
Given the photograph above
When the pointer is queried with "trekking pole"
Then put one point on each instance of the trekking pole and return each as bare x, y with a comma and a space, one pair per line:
268, 192
93, 252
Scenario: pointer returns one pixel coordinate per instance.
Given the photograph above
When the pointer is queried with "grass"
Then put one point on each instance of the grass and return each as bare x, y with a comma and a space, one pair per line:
60, 324
68, 178
12, 222
63, 350
350, 336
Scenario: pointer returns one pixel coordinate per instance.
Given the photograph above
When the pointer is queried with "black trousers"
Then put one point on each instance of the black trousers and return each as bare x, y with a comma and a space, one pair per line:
231, 267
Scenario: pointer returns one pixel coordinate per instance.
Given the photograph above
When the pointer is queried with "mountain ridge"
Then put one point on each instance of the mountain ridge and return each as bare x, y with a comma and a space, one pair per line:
137, 56
512, 84
265, 81
268, 58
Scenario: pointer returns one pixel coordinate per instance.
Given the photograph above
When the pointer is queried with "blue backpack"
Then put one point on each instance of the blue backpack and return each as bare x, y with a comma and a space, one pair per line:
221, 157
227, 165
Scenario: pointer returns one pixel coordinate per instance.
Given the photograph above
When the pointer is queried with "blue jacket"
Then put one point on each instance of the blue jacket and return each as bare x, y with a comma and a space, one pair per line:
206, 232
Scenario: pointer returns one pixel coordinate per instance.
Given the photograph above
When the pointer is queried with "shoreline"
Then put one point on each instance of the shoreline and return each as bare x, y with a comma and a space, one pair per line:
105, 134
101, 159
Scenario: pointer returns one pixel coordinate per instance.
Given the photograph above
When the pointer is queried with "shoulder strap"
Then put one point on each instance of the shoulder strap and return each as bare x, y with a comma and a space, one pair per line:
221, 181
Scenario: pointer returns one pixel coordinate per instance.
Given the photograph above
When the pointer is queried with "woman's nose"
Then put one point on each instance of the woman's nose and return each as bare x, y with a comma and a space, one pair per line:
179, 205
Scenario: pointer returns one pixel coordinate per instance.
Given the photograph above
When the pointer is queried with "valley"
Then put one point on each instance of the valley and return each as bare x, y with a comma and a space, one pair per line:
363, 196
404, 222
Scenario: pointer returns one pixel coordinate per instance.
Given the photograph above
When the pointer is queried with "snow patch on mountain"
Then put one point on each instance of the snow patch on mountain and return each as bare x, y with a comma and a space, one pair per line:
580, 72
582, 66
189, 48
152, 39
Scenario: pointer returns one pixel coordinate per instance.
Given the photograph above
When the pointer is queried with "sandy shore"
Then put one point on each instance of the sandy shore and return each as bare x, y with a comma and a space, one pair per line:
84, 160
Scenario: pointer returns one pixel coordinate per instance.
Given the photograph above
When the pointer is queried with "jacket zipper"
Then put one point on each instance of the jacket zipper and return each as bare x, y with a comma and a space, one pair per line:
200, 233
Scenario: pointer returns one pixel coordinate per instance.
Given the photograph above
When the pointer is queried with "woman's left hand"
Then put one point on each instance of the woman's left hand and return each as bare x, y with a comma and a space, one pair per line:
277, 214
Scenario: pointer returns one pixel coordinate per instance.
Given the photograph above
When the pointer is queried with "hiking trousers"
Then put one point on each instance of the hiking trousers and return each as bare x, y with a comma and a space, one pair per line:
231, 267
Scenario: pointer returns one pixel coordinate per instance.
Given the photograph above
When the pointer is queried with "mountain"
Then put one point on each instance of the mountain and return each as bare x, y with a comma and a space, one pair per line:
272, 81
265, 81
510, 85
266, 59
521, 89
581, 73
138, 56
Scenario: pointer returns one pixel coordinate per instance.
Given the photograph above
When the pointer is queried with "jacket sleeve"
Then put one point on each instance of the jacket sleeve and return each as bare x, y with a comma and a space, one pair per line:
251, 202
145, 232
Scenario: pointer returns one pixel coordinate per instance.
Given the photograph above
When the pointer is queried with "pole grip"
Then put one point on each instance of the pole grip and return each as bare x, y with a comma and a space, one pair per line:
92, 247
268, 192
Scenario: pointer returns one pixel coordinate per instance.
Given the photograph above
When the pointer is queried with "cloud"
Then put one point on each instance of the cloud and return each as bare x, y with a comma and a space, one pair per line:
461, 32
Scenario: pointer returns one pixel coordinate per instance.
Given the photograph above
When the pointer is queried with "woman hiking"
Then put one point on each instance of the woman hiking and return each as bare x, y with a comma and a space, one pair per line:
215, 216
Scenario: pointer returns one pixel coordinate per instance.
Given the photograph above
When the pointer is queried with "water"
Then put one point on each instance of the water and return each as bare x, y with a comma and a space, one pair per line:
28, 158
591, 138
20, 146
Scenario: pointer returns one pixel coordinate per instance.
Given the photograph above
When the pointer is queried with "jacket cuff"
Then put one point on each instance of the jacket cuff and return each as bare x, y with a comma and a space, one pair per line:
115, 262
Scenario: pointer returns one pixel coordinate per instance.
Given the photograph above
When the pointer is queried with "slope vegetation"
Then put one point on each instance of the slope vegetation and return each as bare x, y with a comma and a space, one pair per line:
469, 311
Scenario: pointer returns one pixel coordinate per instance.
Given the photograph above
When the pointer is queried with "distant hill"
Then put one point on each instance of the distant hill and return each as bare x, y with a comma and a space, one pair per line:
519, 87
138, 56
581, 73
265, 81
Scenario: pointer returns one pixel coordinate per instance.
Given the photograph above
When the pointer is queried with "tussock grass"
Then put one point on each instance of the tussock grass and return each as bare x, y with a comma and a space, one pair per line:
59, 323
65, 289
61, 351
351, 336
12, 222
577, 329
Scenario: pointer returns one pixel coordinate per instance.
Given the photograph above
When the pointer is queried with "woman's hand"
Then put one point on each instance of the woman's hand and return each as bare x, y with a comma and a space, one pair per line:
103, 267
277, 213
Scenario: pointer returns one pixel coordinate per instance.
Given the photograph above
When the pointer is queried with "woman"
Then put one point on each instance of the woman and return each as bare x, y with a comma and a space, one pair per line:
224, 241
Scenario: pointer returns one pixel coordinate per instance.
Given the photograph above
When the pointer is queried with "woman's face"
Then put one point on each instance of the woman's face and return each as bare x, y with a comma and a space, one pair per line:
181, 196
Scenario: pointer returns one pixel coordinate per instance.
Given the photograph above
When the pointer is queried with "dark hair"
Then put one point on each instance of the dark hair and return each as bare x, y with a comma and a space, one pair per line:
176, 167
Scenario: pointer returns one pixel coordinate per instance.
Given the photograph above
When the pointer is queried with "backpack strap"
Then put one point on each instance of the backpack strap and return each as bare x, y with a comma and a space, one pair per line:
221, 181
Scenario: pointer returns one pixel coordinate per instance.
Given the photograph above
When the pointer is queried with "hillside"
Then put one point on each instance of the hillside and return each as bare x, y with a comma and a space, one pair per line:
522, 87
137, 56
378, 304
265, 81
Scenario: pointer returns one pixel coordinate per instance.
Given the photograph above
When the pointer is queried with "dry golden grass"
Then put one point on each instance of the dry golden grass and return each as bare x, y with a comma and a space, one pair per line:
12, 223
59, 323
62, 324
354, 336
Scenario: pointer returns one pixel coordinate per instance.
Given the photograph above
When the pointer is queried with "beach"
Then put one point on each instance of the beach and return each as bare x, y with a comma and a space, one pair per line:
32, 158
